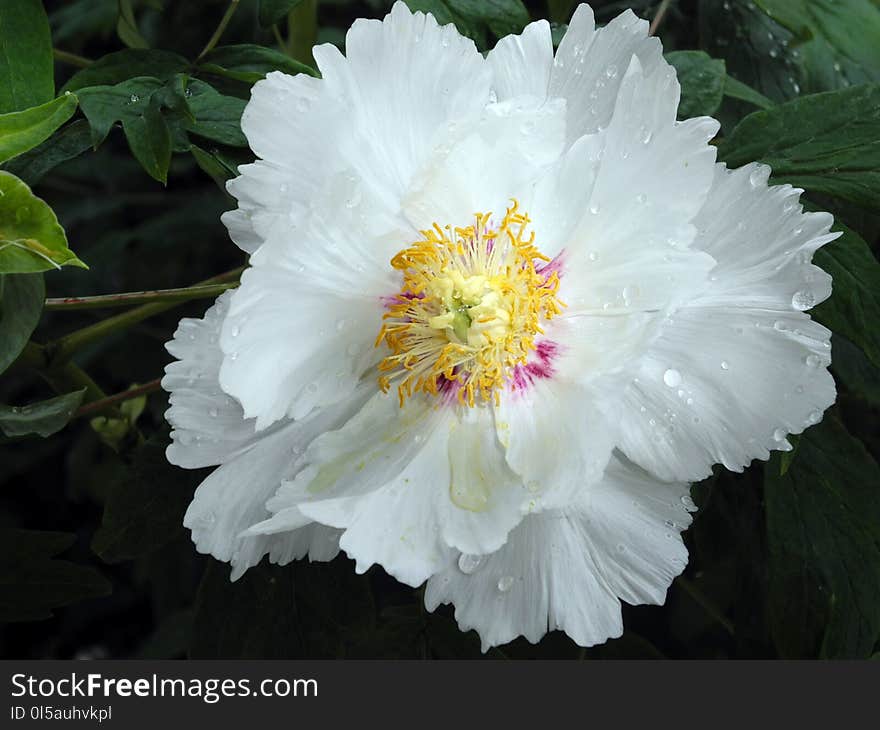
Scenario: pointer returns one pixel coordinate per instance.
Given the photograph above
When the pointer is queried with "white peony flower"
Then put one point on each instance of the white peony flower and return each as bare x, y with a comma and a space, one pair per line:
499, 312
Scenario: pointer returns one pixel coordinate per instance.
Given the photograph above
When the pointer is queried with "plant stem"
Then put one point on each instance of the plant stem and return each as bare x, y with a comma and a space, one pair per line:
706, 603
302, 31
63, 379
658, 16
104, 301
102, 404
61, 350
71, 58
221, 27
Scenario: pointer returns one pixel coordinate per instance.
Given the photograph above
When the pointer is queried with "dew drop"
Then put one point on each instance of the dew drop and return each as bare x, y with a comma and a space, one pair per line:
134, 99
803, 299
214, 412
688, 503
467, 564
813, 360
672, 378
505, 583
593, 256
779, 435
611, 71
725, 365
814, 417
594, 209
641, 198
759, 176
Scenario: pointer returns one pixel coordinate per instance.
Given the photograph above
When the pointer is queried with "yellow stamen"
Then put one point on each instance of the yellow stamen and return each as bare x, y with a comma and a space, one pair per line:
470, 306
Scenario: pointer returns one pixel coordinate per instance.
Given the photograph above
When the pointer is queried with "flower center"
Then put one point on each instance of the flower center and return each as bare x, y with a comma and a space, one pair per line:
471, 303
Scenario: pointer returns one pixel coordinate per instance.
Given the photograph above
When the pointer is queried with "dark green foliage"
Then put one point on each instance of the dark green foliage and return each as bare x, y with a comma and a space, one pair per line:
784, 558
34, 582
824, 541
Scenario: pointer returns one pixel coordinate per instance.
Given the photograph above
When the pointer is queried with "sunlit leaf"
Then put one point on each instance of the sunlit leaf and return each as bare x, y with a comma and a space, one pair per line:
70, 142
31, 239
24, 130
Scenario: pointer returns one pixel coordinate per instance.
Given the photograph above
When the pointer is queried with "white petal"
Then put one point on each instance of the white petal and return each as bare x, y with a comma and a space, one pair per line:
653, 178
406, 485
521, 63
291, 122
590, 64
483, 165
555, 438
403, 80
208, 426
740, 366
233, 498
567, 569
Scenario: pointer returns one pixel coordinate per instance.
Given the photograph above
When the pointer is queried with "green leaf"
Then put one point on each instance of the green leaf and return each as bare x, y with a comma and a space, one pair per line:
840, 42
738, 90
474, 17
21, 304
823, 530
43, 418
853, 309
127, 28
32, 583
31, 238
27, 69
216, 117
215, 165
145, 506
22, 131
114, 68
702, 82
250, 63
503, 17
69, 143
272, 11
137, 105
855, 372
828, 143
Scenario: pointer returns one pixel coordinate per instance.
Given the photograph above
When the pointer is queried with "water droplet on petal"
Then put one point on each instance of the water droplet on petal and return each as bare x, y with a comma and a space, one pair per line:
467, 564
814, 417
803, 299
672, 378
725, 365
759, 176
688, 503
505, 583
779, 435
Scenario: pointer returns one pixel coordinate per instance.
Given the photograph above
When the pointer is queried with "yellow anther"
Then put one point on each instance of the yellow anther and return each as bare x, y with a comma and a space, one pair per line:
469, 308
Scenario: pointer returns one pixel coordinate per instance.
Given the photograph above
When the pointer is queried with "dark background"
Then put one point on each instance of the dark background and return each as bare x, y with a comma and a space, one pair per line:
166, 600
